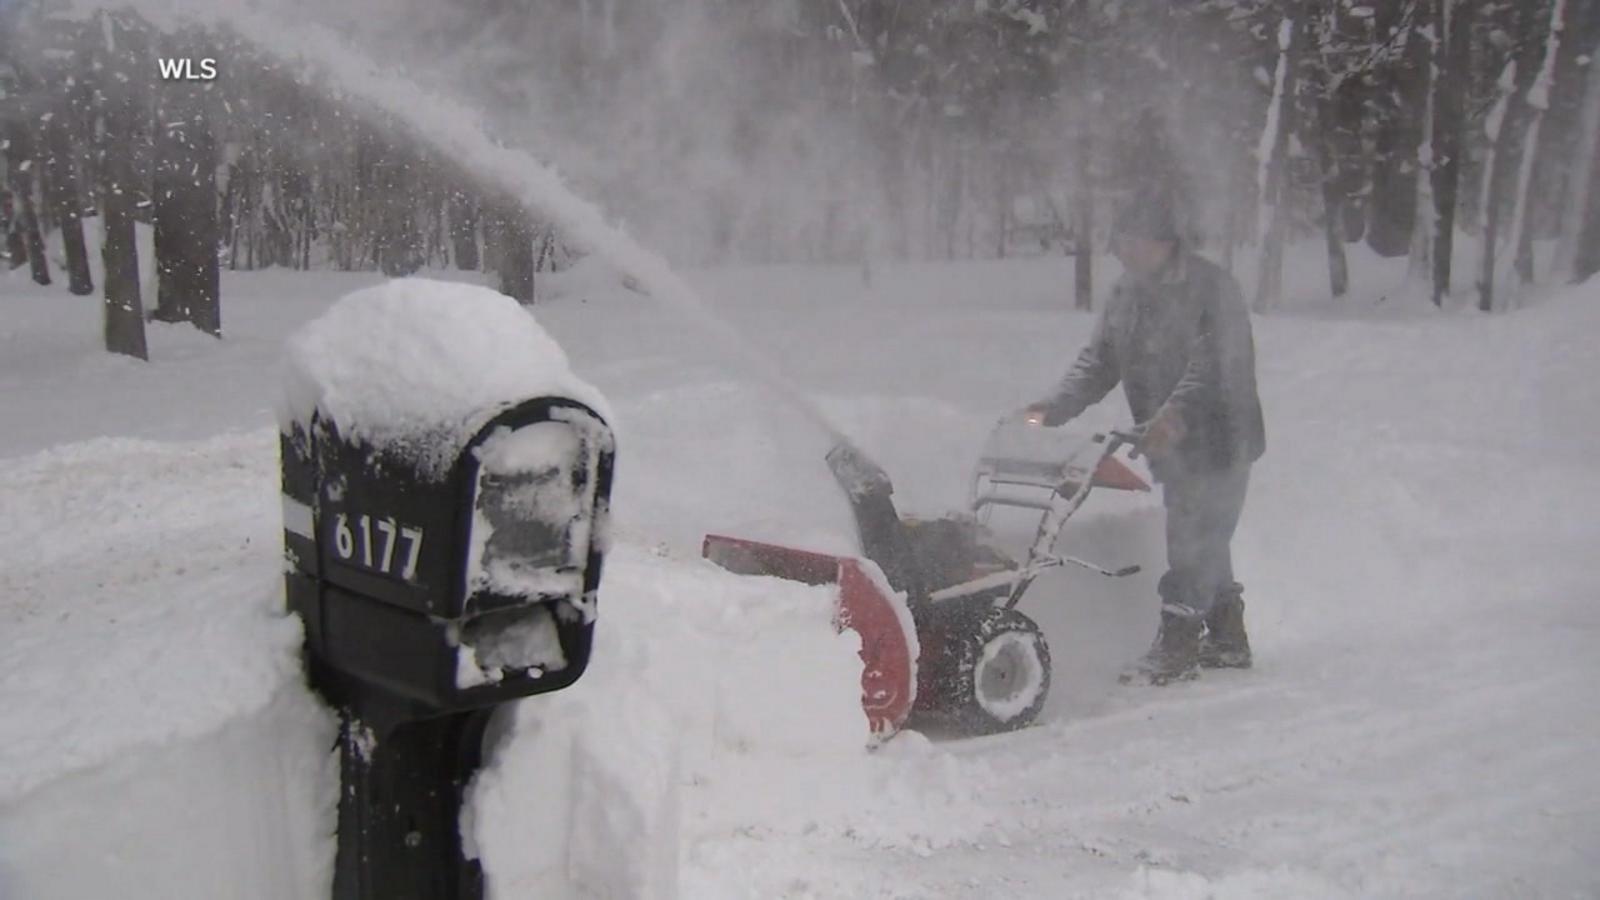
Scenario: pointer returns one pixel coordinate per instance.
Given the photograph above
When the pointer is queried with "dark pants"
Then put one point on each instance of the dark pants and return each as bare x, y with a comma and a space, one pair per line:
1202, 513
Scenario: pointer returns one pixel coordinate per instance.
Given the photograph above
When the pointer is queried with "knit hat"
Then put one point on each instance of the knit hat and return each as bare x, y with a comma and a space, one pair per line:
1147, 213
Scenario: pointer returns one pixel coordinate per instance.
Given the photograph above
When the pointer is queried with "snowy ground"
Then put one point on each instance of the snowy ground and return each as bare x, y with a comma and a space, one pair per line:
1416, 551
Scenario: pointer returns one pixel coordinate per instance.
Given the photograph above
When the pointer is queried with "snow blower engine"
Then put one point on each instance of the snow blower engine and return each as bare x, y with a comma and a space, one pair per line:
942, 642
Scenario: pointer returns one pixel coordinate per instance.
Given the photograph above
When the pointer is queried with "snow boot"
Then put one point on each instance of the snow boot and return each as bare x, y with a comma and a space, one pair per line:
1175, 655
1225, 644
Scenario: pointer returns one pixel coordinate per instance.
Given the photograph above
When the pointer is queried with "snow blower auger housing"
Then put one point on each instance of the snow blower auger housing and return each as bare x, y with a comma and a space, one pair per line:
942, 642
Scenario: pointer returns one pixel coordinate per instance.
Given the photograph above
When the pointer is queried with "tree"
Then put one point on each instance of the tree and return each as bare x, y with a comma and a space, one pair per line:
515, 245
63, 122
1396, 101
188, 285
1451, 58
462, 213
1272, 155
20, 166
388, 193
120, 122
1083, 223
1537, 99
1580, 220
1425, 219
1335, 106
65, 200
1506, 126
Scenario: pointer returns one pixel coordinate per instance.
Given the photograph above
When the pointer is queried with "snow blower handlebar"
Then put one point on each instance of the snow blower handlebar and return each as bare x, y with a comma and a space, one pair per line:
885, 538
1116, 438
1058, 510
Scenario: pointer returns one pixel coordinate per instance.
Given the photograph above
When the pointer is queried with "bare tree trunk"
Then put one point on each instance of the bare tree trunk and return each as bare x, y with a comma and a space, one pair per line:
38, 264
232, 202
20, 164
1333, 188
1538, 100
1493, 187
1582, 180
1391, 206
1333, 219
64, 199
1425, 220
464, 230
1455, 30
1587, 263
1273, 151
188, 284
124, 317
397, 246
1083, 224
545, 259
516, 254
308, 227
1002, 210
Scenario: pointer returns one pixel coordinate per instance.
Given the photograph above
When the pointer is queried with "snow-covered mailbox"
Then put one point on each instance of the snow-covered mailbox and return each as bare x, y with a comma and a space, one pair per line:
446, 481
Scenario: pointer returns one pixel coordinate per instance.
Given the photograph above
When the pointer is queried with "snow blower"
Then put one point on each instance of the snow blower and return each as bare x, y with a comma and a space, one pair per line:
955, 653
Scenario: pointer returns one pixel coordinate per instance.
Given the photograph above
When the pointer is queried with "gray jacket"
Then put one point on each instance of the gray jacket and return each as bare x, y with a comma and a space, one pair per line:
1181, 339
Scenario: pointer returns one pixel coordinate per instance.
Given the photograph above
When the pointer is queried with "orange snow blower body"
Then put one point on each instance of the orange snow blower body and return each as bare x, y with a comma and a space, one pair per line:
933, 602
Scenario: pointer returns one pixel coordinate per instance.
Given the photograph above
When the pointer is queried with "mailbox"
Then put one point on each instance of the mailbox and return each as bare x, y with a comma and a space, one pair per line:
443, 543
454, 585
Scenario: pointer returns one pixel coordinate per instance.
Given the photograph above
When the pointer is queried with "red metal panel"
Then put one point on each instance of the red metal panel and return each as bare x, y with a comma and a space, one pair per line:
888, 674
1112, 473
888, 666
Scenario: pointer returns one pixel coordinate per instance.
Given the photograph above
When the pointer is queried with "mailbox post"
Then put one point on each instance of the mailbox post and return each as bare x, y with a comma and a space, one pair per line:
437, 578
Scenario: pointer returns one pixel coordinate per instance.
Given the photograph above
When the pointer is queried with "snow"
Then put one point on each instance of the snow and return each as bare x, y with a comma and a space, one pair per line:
154, 726
403, 364
529, 642
100, 604
1417, 554
716, 672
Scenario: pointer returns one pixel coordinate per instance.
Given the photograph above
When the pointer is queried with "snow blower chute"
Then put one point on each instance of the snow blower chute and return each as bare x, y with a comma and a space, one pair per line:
955, 653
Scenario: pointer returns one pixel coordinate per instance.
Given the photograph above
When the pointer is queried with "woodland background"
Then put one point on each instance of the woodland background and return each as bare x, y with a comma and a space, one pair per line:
818, 131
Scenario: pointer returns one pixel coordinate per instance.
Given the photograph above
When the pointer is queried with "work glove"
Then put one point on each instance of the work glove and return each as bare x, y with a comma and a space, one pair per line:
1161, 433
1041, 414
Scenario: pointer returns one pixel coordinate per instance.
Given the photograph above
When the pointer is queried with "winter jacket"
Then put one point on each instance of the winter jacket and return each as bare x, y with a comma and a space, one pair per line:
1180, 339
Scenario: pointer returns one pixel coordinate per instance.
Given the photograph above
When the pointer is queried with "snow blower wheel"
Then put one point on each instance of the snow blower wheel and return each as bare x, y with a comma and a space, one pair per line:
1000, 674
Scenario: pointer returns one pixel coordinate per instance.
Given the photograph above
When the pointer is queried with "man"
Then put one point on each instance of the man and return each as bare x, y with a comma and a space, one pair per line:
1176, 334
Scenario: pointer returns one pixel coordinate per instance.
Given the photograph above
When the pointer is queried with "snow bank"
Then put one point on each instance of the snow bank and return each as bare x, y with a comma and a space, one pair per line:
154, 570
244, 811
156, 740
690, 663
715, 704
153, 670
403, 363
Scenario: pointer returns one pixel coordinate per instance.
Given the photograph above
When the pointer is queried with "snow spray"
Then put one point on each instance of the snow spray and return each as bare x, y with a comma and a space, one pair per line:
451, 129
